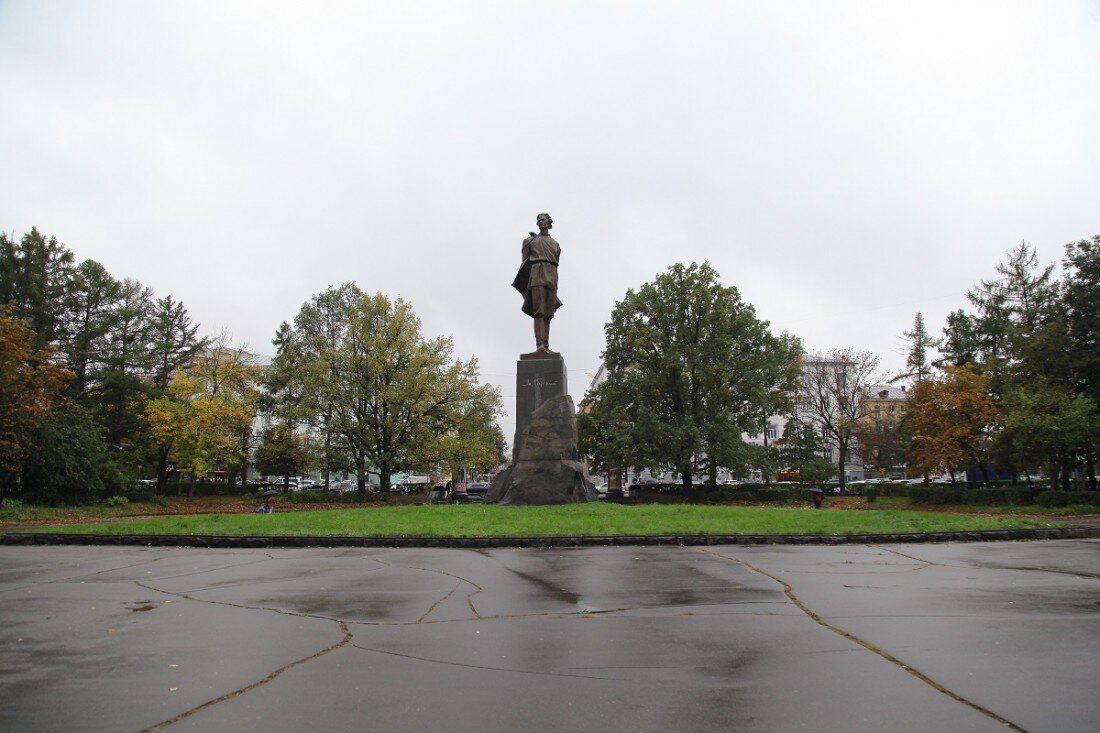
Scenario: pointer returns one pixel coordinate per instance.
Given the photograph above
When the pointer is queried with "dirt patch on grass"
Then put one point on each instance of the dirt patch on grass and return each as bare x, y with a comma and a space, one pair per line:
177, 506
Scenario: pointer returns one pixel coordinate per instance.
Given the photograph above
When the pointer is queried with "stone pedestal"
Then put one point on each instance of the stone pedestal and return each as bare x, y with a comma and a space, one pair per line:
539, 377
546, 469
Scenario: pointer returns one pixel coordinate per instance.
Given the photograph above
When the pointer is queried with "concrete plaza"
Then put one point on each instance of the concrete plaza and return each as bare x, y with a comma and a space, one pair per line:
954, 637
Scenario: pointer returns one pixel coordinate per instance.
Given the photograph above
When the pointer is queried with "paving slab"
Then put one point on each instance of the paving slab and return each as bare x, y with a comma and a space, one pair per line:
960, 637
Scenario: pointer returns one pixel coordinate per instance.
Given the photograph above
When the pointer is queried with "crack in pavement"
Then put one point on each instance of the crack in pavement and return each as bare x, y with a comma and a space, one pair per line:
80, 577
242, 583
220, 567
469, 596
984, 566
436, 604
871, 647
284, 611
262, 681
248, 688
485, 667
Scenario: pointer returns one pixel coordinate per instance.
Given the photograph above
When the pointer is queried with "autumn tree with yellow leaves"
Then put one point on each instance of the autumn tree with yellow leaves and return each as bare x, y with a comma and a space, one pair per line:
951, 419
205, 416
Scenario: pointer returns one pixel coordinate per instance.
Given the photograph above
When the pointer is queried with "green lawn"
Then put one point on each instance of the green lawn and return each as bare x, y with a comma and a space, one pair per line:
571, 520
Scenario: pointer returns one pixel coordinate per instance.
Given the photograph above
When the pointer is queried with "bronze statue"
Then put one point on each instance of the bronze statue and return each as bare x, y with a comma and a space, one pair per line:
537, 280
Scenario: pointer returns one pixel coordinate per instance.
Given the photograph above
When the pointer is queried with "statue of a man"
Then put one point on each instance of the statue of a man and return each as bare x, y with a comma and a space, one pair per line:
537, 280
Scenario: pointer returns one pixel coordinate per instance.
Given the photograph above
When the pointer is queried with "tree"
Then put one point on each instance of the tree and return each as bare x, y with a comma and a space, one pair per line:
689, 368
68, 459
1019, 324
206, 410
126, 363
319, 330
173, 344
803, 449
1082, 300
831, 397
917, 367
960, 344
1048, 425
31, 386
282, 453
475, 441
880, 445
91, 302
35, 277
173, 340
950, 420
387, 397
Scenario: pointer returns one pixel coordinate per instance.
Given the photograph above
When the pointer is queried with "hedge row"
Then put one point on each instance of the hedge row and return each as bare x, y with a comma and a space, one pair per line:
1010, 496
1069, 498
741, 492
330, 497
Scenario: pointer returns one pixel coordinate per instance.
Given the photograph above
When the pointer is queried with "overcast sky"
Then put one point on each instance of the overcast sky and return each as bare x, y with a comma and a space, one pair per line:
844, 165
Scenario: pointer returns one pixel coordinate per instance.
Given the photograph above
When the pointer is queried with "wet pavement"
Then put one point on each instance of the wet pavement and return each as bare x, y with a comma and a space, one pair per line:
955, 637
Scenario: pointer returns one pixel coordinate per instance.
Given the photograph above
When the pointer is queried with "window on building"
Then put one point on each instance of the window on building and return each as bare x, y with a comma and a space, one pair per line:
754, 436
771, 433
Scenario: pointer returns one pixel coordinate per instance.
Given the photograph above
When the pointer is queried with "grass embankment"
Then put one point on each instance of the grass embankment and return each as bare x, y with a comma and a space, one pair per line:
551, 521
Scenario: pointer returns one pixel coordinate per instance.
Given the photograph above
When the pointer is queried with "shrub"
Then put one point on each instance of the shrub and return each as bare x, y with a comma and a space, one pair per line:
1069, 498
1010, 495
871, 494
935, 495
893, 490
67, 459
12, 509
116, 501
326, 497
704, 493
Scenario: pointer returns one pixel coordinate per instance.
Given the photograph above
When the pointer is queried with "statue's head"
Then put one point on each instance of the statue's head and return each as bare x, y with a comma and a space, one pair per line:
544, 221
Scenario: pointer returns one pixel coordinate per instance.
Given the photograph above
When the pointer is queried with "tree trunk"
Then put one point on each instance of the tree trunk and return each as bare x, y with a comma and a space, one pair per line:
1090, 467
384, 478
685, 479
361, 474
1052, 468
1066, 470
162, 470
328, 449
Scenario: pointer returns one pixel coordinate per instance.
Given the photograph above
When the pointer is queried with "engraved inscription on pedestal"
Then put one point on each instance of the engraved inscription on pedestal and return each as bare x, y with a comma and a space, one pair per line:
537, 380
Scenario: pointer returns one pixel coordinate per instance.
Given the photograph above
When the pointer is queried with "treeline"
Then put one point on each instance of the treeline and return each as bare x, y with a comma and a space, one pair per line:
102, 384
82, 356
1018, 386
690, 369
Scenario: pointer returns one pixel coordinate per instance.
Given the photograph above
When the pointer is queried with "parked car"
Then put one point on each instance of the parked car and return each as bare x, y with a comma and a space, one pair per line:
478, 488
